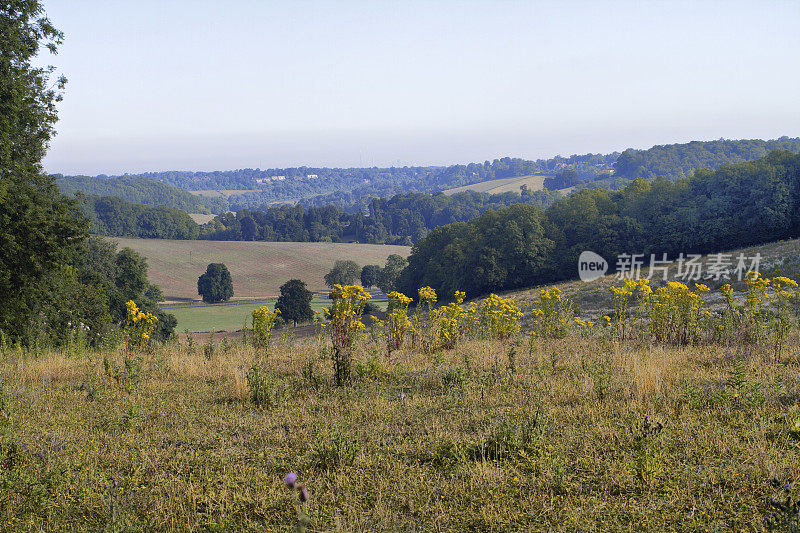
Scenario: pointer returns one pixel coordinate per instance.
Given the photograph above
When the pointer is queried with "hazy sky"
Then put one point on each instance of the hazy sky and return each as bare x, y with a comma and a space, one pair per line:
210, 85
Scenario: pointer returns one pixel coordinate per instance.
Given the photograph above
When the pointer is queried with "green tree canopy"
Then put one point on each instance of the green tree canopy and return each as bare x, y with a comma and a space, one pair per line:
294, 302
370, 275
390, 273
342, 273
40, 229
216, 284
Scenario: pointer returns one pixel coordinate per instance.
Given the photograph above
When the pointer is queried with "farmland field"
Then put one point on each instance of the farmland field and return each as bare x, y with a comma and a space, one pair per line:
534, 183
201, 218
258, 269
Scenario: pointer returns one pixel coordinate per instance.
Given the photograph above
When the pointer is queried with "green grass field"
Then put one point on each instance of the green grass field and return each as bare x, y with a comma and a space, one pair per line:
258, 269
534, 183
231, 317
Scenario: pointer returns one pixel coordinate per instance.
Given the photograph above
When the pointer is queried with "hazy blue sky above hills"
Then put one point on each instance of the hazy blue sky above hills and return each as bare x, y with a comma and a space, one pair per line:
204, 85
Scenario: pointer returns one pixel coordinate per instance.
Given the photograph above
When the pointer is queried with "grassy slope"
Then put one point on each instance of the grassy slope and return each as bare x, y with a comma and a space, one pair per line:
258, 269
453, 441
594, 298
534, 183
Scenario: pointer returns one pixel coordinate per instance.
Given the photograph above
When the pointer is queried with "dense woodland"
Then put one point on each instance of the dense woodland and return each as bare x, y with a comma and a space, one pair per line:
356, 186
141, 190
520, 246
402, 219
113, 216
674, 161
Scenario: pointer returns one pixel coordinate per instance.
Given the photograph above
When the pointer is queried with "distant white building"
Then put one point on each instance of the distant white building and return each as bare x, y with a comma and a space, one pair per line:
311, 176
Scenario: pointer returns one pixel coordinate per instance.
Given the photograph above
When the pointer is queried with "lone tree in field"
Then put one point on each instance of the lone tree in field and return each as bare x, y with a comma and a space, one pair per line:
216, 284
370, 275
294, 302
342, 273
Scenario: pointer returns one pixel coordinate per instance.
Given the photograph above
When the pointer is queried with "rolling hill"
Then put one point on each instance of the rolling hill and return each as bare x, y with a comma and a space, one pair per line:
141, 190
594, 298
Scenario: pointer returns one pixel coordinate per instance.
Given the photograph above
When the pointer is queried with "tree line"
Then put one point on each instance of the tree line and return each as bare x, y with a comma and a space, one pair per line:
113, 216
523, 245
674, 161
401, 219
140, 190
356, 186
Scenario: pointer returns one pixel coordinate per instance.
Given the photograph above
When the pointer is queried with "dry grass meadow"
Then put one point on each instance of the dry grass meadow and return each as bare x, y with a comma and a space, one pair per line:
557, 435
595, 431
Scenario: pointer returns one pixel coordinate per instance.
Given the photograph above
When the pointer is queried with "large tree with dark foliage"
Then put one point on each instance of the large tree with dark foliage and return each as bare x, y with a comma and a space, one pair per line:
294, 303
370, 275
40, 229
390, 273
117, 277
342, 273
216, 284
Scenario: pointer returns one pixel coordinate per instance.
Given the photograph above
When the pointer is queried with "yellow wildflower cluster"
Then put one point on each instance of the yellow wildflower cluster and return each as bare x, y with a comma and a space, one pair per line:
783, 292
783, 286
552, 314
449, 321
345, 314
427, 296
584, 327
499, 317
675, 312
139, 325
622, 299
397, 322
263, 323
757, 298
345, 322
424, 320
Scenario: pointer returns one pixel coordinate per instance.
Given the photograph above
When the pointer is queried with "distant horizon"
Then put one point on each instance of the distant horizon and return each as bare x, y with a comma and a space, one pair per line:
393, 164
250, 84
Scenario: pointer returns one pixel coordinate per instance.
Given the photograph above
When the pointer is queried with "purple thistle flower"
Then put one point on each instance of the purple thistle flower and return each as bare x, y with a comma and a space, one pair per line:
787, 487
302, 493
290, 479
